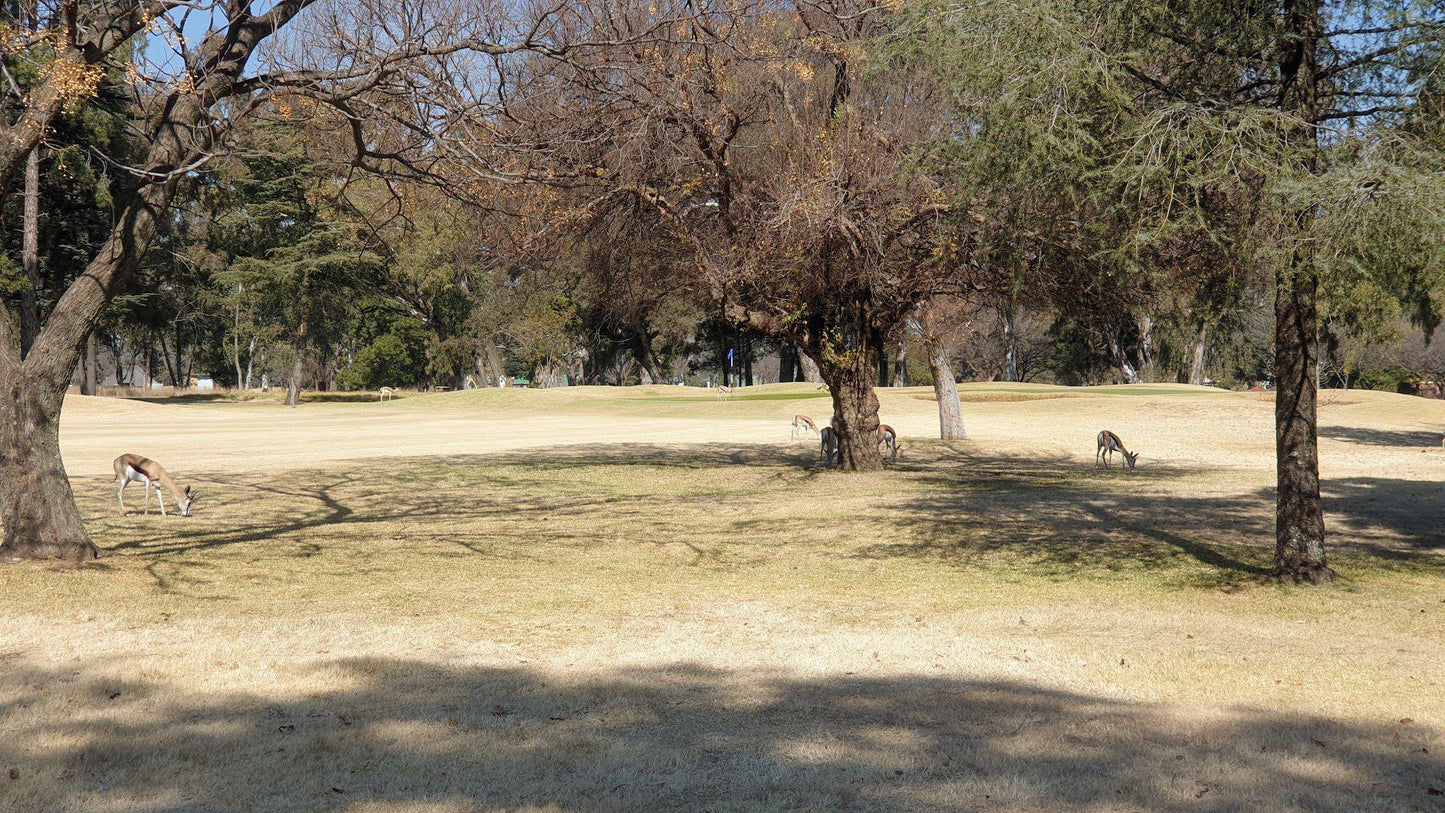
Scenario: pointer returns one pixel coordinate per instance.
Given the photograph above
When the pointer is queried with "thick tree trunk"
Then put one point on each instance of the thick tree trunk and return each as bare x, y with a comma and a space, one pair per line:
1196, 366
40, 517
945, 390
855, 409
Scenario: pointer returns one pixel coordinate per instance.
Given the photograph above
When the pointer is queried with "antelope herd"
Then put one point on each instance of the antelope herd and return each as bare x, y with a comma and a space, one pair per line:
131, 468
830, 443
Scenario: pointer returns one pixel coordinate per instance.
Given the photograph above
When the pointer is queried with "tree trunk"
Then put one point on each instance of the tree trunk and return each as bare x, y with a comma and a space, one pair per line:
40, 517
945, 390
1146, 348
882, 368
30, 255
250, 359
1131, 376
236, 337
647, 366
293, 386
900, 365
1299, 554
811, 373
1196, 366
1299, 520
90, 364
787, 362
855, 408
1010, 343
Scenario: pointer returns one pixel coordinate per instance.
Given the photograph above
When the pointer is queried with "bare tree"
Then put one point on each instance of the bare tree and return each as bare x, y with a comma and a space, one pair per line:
183, 108
755, 140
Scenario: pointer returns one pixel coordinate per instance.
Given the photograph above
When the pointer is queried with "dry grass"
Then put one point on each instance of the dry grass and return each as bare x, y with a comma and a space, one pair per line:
649, 599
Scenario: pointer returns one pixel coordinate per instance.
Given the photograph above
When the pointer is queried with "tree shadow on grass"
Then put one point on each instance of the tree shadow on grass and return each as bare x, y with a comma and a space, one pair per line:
396, 734
1382, 437
1055, 515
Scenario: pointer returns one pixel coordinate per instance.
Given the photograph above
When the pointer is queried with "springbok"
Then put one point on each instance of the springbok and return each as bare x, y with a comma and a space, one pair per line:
828, 445
888, 437
131, 468
1110, 443
804, 424
724, 391
387, 393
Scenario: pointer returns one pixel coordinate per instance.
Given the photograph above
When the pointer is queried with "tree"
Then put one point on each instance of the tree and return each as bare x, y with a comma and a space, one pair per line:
1273, 90
939, 323
757, 141
181, 114
1212, 124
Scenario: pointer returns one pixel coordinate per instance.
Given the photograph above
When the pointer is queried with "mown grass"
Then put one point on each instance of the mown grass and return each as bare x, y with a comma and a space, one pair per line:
620, 622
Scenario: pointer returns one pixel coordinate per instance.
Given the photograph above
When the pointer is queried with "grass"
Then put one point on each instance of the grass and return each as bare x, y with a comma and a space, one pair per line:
597, 599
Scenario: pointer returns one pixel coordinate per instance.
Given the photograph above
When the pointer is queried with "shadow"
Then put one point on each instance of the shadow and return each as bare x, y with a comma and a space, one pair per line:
1060, 516
1055, 516
1392, 516
1382, 437
397, 734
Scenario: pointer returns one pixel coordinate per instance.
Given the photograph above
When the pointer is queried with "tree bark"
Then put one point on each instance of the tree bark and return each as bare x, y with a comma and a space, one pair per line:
787, 362
41, 520
250, 359
900, 365
1146, 348
30, 255
945, 390
1010, 341
1299, 519
647, 365
1116, 348
293, 387
90, 364
811, 373
855, 408
1196, 366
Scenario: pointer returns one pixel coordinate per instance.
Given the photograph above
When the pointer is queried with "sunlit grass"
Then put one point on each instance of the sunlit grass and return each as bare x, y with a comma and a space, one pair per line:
607, 599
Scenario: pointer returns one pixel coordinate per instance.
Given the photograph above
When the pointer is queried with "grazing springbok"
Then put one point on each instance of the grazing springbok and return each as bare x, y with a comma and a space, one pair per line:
828, 445
134, 468
724, 391
804, 424
387, 393
887, 437
1110, 443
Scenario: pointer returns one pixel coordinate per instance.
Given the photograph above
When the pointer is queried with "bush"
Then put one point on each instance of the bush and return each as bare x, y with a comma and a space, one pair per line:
390, 361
